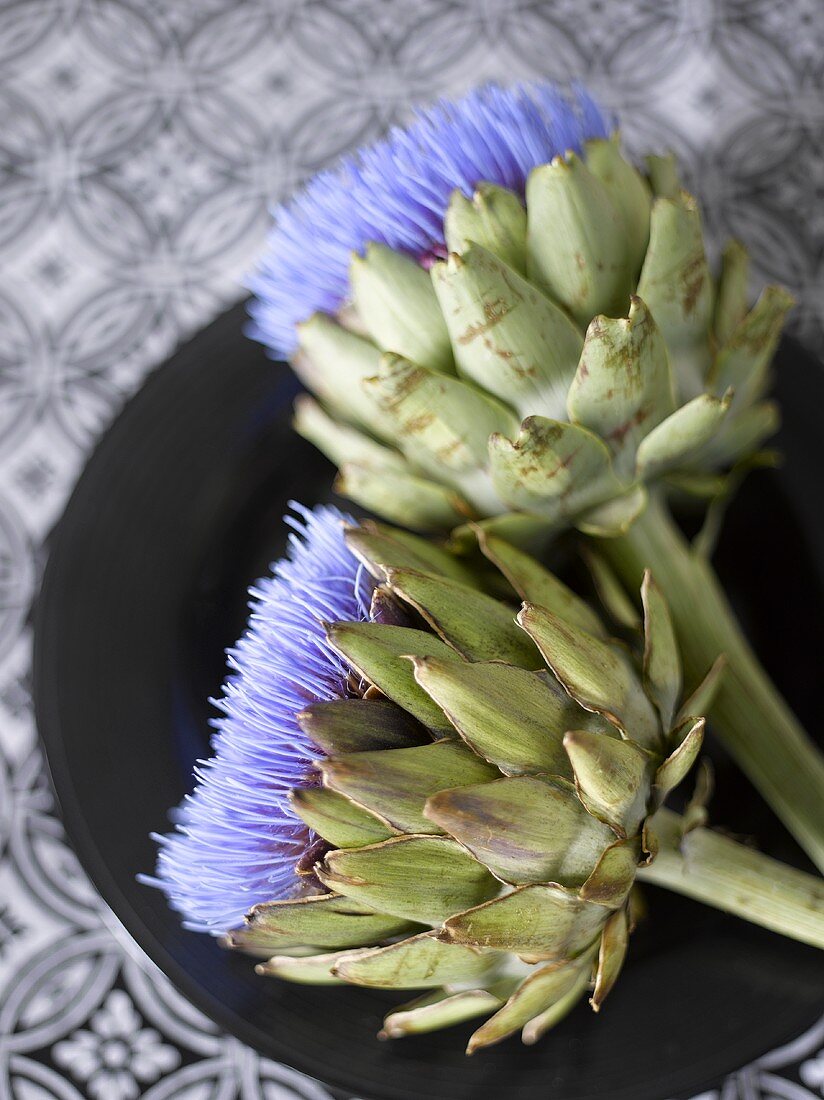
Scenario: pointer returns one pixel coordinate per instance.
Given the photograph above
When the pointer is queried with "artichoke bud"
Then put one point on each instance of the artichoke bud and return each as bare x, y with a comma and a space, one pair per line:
442, 425
343, 444
732, 291
683, 435
662, 173
577, 244
493, 218
393, 297
333, 363
623, 386
402, 496
481, 800
554, 469
508, 337
676, 286
565, 354
743, 360
628, 190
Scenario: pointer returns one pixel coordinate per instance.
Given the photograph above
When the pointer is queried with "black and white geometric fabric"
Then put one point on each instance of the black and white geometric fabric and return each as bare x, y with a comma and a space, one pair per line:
140, 144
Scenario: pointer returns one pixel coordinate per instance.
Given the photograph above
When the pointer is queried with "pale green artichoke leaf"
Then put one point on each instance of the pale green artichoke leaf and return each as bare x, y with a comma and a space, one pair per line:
305, 969
675, 283
433, 1011
393, 297
553, 468
597, 674
628, 190
394, 784
333, 363
340, 442
742, 363
524, 829
403, 497
614, 875
546, 1020
541, 990
380, 548
420, 962
740, 436
663, 176
623, 385
612, 778
320, 920
663, 674
420, 878
337, 726
494, 218
688, 739
507, 336
377, 652
440, 422
732, 291
701, 699
614, 516
534, 583
337, 819
611, 955
540, 922
476, 625
610, 591
528, 532
513, 718
679, 439
577, 246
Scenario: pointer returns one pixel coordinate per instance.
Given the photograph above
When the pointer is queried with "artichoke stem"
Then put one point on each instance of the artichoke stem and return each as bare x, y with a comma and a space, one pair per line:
711, 868
748, 713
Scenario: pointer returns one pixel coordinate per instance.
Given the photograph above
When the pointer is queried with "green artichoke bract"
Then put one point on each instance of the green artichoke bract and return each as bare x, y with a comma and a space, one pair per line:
561, 358
483, 803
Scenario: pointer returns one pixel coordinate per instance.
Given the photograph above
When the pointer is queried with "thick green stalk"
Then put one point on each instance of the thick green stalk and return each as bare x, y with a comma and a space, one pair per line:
714, 869
748, 713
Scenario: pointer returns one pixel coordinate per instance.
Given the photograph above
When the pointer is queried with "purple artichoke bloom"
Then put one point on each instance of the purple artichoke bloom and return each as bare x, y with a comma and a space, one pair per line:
396, 192
237, 840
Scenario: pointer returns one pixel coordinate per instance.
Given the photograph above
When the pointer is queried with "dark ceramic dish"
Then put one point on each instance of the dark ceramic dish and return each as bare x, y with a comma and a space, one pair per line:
177, 511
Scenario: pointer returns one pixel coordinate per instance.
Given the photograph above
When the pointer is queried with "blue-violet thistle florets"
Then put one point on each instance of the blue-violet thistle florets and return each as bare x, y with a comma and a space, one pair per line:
237, 840
396, 192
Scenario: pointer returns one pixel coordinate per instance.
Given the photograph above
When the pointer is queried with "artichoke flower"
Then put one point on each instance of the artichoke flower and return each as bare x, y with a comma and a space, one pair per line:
465, 803
563, 356
485, 801
542, 346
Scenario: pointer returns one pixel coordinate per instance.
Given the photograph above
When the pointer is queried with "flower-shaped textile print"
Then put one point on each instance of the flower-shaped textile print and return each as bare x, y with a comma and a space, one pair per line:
115, 1056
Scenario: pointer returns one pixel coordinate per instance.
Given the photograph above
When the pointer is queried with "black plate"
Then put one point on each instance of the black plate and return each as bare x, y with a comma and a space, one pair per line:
177, 511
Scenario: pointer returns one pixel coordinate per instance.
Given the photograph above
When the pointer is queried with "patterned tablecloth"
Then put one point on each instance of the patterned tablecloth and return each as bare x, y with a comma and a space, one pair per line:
140, 141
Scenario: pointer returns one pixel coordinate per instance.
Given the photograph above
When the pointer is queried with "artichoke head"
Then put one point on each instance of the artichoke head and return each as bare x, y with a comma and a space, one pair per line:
481, 803
567, 352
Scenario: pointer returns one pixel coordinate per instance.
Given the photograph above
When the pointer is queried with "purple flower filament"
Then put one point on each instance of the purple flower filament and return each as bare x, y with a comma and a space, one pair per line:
396, 192
237, 840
